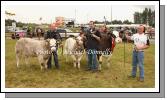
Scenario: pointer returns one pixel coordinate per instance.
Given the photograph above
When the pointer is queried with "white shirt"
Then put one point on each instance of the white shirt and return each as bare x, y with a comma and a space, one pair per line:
139, 39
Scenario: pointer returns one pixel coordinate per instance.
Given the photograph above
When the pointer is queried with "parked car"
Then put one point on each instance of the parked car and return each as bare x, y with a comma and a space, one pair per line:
18, 34
65, 33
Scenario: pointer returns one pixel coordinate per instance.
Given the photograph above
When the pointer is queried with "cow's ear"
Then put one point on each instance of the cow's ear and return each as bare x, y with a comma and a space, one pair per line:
75, 38
47, 41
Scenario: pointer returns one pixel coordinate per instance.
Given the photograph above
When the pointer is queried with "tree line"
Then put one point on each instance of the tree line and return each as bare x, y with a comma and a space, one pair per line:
146, 17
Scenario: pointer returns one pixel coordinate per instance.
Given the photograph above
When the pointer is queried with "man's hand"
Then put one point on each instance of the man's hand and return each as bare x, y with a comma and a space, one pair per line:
141, 46
96, 37
137, 47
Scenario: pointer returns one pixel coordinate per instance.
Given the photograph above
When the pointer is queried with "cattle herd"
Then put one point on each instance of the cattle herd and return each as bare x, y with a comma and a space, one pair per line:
73, 47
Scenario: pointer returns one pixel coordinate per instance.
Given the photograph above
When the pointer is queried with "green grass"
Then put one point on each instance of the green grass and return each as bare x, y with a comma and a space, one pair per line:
114, 76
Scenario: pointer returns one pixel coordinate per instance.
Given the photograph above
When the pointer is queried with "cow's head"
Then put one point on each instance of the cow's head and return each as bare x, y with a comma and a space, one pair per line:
117, 38
52, 44
79, 40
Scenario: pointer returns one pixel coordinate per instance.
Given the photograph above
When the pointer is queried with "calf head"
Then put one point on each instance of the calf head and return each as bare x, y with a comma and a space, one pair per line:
117, 38
79, 40
52, 44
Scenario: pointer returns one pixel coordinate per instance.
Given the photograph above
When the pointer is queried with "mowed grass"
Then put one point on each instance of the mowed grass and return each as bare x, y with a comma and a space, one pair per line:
114, 76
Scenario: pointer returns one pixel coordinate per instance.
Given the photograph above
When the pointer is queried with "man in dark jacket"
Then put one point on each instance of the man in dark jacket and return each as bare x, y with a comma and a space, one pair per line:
52, 33
93, 38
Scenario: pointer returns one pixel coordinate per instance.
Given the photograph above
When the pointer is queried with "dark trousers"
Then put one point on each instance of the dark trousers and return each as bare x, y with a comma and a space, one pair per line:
55, 56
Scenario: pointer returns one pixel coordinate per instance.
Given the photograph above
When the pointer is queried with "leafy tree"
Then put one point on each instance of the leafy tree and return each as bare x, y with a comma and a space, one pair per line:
127, 22
145, 17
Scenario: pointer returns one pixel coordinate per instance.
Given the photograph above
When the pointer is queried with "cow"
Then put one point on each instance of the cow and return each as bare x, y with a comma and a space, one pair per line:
74, 47
27, 47
106, 46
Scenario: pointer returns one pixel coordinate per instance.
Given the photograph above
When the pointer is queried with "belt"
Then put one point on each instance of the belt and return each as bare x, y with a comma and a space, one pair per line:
137, 51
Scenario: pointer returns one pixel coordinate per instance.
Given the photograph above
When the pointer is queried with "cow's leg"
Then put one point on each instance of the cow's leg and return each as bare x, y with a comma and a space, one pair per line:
26, 60
17, 55
41, 64
100, 62
78, 62
46, 66
17, 60
40, 59
109, 60
74, 60
66, 57
75, 63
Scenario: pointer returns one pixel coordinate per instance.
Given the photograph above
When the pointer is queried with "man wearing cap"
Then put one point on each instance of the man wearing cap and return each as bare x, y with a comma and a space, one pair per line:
141, 42
52, 33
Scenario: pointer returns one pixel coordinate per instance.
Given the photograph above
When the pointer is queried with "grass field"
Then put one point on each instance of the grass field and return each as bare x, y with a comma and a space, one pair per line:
114, 76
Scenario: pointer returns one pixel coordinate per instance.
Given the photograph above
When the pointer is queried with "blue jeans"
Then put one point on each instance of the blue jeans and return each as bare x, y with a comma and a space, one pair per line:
92, 59
138, 58
55, 56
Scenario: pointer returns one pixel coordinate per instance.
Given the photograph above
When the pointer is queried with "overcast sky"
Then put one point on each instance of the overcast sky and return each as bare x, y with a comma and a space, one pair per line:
84, 13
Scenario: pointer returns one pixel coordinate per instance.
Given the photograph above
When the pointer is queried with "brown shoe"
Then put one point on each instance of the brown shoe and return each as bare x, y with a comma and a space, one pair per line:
141, 79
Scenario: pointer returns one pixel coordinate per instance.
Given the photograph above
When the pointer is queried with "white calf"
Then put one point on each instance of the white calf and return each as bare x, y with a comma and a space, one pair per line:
74, 48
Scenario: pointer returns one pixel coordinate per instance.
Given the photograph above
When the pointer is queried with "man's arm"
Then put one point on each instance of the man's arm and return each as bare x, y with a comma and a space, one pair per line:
96, 35
137, 47
147, 45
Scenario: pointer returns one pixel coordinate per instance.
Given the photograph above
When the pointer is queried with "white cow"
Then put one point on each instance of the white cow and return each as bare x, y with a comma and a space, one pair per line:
74, 48
27, 47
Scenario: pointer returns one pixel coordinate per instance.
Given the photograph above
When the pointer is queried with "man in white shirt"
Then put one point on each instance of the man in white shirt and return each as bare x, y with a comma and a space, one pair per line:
141, 42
